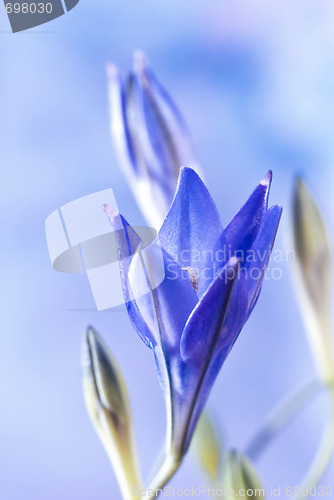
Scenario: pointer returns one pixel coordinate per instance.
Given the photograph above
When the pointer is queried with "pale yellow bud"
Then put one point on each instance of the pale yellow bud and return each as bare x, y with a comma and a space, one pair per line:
314, 277
206, 446
109, 409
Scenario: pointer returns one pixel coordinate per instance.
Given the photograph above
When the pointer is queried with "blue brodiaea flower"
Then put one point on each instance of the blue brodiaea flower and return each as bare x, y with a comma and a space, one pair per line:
213, 277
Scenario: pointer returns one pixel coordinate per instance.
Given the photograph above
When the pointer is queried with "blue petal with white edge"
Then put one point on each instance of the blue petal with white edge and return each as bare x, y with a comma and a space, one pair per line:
158, 314
153, 137
119, 123
173, 120
243, 228
128, 243
262, 249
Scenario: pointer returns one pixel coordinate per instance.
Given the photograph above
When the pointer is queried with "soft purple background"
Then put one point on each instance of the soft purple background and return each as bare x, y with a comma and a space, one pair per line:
255, 81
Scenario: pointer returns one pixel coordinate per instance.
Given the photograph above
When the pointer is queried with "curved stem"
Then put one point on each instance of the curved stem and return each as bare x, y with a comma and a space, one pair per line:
280, 416
166, 471
324, 454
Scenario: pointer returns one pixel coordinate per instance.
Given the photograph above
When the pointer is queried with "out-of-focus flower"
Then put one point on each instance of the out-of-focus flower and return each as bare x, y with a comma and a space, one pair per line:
314, 276
108, 407
240, 478
206, 445
212, 281
151, 138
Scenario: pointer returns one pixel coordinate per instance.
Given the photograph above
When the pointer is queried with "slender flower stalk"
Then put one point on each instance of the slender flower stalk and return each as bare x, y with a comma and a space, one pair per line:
213, 278
109, 409
282, 415
324, 454
166, 471
151, 138
285, 411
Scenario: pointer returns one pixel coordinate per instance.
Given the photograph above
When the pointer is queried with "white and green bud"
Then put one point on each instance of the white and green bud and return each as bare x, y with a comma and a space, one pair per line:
108, 406
240, 479
314, 276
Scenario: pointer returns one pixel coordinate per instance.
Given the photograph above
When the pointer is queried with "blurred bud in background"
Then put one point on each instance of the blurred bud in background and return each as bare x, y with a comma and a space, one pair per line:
108, 407
206, 446
151, 138
240, 478
314, 276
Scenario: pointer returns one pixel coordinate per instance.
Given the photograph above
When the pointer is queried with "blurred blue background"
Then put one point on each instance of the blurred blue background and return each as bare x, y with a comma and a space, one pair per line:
255, 82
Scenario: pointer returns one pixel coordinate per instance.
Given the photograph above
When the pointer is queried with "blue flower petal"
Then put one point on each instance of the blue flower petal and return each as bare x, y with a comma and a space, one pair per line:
119, 123
192, 231
159, 314
166, 308
261, 250
248, 285
155, 142
209, 314
163, 135
202, 368
129, 243
202, 359
173, 120
200, 397
243, 228
215, 325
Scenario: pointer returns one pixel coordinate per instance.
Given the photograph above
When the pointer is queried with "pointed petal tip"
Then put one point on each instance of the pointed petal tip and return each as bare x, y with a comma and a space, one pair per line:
276, 212
114, 217
233, 267
301, 193
94, 351
299, 176
188, 172
233, 263
299, 184
279, 210
88, 343
187, 175
91, 335
139, 61
91, 339
112, 71
266, 181
111, 212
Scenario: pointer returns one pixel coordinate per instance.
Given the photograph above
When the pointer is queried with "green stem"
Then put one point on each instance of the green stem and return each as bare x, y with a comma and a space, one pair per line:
166, 471
323, 456
280, 416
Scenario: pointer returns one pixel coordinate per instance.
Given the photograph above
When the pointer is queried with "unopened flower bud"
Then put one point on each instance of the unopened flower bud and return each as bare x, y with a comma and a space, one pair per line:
206, 446
314, 266
240, 478
108, 407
